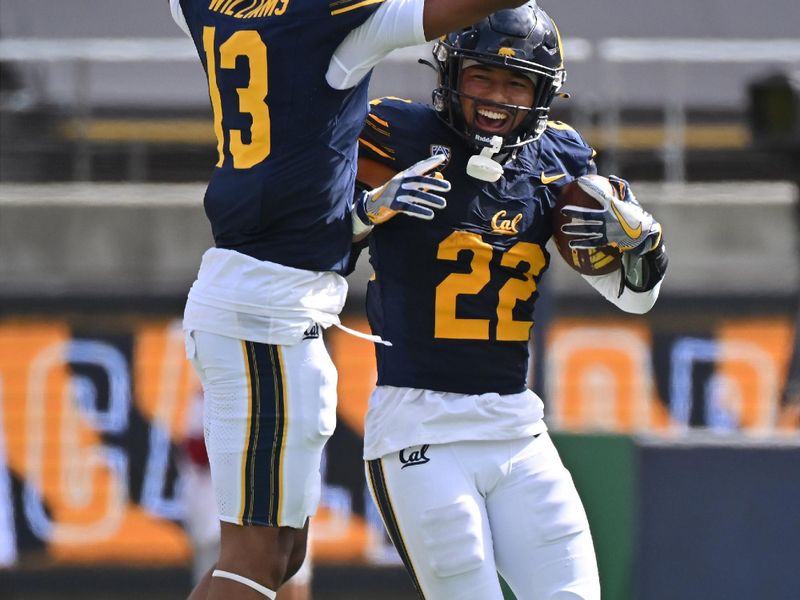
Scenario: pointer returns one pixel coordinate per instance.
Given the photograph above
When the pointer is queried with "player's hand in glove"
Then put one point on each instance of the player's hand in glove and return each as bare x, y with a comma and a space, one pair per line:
622, 224
413, 192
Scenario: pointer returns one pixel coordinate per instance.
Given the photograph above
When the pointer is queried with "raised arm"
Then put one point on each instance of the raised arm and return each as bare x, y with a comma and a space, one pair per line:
443, 16
399, 23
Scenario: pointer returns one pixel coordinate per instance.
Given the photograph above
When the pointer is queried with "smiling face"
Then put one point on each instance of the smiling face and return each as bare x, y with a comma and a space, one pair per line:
481, 86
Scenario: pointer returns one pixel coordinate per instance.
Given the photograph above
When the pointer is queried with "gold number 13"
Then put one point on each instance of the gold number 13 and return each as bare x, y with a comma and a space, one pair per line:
252, 99
447, 325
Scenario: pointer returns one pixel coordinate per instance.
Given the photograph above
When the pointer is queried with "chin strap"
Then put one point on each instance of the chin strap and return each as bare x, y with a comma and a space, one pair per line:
264, 591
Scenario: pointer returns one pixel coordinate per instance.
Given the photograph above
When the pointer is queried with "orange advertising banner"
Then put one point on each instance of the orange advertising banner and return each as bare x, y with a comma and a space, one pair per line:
93, 422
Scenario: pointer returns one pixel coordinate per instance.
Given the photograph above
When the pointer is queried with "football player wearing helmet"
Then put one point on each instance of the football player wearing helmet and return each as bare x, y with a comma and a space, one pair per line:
287, 80
457, 454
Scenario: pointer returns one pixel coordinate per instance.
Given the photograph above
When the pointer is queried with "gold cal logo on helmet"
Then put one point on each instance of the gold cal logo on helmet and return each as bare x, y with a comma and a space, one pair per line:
506, 52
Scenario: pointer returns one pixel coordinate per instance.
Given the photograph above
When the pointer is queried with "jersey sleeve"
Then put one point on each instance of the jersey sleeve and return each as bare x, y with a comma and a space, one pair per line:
576, 155
564, 157
388, 134
353, 13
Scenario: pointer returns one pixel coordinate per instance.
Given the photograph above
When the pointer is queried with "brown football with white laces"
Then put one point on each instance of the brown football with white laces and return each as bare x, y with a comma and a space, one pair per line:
599, 261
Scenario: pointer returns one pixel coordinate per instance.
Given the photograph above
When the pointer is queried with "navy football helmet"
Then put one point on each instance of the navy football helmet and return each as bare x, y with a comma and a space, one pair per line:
523, 39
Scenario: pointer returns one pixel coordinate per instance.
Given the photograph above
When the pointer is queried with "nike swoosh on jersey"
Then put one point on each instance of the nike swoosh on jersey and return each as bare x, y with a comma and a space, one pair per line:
631, 232
551, 178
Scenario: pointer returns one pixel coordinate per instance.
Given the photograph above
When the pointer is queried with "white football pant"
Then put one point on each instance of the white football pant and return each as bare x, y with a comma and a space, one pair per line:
268, 411
459, 513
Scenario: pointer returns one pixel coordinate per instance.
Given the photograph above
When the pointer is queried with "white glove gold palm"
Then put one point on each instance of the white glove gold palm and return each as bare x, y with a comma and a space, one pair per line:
408, 192
622, 224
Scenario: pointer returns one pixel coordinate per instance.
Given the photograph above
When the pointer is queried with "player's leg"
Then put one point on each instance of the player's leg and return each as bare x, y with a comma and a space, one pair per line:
298, 553
298, 587
297, 583
542, 542
268, 412
252, 562
294, 590
436, 519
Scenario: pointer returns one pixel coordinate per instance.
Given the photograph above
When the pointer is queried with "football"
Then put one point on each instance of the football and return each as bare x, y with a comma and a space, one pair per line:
597, 261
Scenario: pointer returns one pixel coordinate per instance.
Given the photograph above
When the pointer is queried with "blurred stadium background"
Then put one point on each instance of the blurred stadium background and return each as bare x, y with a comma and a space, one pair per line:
678, 427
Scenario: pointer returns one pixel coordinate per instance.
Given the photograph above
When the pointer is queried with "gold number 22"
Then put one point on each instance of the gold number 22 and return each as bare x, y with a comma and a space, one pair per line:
447, 325
252, 99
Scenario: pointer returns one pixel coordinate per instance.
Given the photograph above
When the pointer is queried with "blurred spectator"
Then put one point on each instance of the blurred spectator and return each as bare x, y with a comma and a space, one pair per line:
201, 522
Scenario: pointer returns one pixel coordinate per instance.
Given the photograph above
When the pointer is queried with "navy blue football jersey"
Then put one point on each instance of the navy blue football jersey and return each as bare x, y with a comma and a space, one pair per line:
455, 295
283, 181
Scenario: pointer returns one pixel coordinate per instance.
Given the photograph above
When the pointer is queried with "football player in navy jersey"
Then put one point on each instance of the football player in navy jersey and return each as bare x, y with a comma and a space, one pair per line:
287, 80
458, 458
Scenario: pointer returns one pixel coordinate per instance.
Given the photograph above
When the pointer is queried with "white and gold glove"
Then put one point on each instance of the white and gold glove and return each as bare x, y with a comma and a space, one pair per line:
410, 192
621, 223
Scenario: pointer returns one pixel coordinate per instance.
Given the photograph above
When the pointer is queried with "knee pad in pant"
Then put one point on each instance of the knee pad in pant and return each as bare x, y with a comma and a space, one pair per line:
453, 538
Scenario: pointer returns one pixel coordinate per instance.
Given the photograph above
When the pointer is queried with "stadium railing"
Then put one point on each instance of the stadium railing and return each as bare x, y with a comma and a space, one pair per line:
677, 55
610, 55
